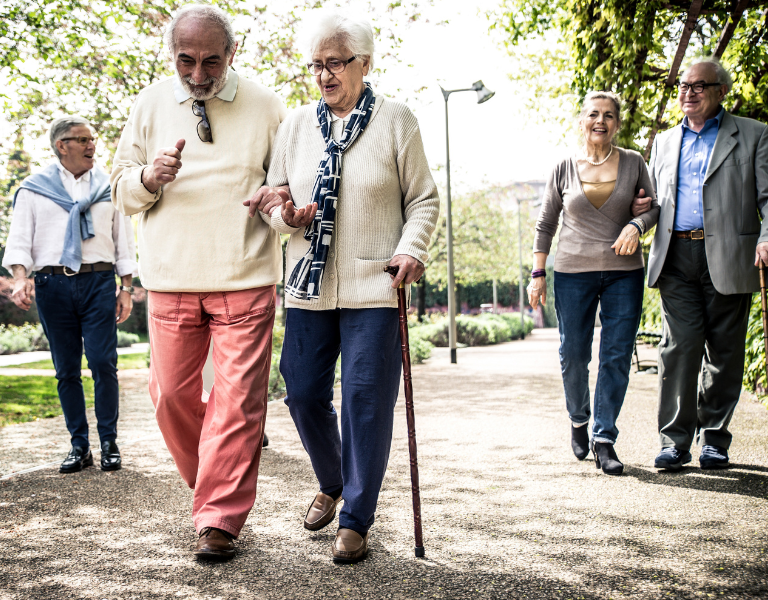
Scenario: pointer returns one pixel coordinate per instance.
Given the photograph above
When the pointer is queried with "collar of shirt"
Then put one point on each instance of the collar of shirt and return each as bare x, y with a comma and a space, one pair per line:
76, 188
335, 117
67, 174
227, 93
713, 122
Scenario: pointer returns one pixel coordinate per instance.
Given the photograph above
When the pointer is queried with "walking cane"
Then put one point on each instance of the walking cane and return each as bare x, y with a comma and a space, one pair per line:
408, 385
764, 302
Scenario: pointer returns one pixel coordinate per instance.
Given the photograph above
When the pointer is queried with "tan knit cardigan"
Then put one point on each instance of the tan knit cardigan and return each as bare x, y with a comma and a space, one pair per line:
388, 203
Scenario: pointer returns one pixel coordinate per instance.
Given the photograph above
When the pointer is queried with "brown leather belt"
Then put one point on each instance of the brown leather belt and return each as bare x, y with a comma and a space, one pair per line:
694, 234
89, 268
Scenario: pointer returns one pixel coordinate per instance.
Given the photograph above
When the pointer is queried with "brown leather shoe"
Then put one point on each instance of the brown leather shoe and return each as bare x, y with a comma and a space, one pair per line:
320, 512
349, 546
214, 544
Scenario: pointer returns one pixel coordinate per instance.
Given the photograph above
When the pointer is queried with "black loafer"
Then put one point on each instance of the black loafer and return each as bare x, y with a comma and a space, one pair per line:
110, 456
265, 443
77, 459
580, 441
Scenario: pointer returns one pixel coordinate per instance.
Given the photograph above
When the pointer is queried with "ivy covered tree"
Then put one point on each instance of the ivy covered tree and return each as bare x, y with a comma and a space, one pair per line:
634, 48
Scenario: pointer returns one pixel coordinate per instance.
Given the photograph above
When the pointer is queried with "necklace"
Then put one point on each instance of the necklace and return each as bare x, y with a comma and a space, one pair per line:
597, 164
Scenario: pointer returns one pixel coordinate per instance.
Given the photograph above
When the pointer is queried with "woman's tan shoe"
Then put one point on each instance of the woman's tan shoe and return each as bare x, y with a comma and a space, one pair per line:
320, 512
349, 546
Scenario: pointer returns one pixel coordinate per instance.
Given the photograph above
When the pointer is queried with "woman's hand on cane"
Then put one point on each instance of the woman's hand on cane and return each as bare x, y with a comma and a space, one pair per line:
409, 269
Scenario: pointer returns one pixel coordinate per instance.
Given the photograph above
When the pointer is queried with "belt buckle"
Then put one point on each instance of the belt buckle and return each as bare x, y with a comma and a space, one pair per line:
697, 234
69, 272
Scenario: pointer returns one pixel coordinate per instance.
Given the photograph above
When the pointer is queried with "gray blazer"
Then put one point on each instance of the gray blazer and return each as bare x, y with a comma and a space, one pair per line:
734, 200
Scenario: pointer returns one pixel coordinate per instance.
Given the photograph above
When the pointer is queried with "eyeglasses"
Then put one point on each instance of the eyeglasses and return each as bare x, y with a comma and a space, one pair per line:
332, 66
697, 87
83, 140
203, 127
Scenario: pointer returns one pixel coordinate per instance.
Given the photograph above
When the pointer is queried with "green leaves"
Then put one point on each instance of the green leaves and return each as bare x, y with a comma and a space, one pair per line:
626, 46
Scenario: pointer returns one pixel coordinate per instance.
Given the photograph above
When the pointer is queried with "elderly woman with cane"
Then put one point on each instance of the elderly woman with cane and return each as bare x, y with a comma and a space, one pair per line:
598, 260
362, 198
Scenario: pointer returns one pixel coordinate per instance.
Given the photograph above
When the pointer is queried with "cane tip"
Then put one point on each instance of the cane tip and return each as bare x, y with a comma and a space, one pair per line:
419, 551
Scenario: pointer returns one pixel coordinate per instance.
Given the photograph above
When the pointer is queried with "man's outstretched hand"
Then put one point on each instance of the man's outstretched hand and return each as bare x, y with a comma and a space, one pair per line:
267, 198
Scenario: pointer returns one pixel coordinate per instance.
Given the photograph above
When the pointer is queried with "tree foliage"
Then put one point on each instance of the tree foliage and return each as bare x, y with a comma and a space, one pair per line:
485, 237
92, 57
626, 46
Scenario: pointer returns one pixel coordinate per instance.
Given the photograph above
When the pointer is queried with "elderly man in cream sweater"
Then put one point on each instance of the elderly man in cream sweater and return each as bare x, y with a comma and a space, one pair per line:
194, 146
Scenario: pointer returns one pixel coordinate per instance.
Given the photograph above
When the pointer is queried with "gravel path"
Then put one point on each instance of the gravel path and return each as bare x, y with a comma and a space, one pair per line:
508, 511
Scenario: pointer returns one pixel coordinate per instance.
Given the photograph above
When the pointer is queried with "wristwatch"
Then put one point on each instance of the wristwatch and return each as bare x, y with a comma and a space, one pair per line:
126, 288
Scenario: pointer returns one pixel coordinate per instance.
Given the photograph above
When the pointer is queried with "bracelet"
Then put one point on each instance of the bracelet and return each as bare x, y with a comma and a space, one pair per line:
640, 231
538, 273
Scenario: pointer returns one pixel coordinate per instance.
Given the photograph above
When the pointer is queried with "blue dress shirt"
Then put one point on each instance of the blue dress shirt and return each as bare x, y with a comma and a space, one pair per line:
695, 152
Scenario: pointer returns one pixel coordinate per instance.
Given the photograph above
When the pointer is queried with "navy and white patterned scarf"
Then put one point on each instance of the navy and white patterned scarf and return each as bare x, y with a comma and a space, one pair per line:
307, 276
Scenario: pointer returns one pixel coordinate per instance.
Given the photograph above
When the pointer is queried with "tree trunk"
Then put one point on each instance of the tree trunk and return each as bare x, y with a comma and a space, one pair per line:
693, 14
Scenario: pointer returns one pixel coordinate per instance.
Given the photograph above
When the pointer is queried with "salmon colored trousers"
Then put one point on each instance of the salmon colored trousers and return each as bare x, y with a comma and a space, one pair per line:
216, 445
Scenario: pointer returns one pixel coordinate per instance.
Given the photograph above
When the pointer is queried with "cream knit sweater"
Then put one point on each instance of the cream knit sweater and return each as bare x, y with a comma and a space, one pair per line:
194, 233
388, 203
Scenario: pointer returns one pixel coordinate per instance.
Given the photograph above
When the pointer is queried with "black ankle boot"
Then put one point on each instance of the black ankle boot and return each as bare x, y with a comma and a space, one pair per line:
605, 457
580, 441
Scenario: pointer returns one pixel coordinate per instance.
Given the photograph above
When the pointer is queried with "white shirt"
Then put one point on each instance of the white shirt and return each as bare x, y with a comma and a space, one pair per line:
338, 125
36, 237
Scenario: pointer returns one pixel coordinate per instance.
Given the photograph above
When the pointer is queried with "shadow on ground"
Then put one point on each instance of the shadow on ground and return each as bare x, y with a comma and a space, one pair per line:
508, 512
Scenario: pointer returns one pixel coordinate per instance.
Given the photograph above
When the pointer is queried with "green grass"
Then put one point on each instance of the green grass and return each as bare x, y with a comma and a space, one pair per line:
28, 398
124, 362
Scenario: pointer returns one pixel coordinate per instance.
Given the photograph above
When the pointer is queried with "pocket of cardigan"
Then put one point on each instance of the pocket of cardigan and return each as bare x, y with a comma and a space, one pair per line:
373, 285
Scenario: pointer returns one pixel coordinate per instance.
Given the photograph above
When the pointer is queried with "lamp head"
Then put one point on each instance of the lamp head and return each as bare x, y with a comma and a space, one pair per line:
483, 93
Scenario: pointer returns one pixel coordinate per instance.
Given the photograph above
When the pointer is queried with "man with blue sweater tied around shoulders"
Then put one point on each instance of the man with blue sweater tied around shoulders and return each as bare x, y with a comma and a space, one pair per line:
65, 229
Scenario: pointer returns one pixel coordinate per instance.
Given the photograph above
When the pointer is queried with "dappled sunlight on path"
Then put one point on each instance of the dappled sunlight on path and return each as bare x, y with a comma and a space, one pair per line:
508, 511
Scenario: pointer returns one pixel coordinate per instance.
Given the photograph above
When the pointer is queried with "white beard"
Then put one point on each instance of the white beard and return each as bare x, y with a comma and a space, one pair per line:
217, 84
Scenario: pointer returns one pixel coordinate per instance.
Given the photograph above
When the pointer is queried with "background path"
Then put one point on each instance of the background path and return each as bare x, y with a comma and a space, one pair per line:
508, 511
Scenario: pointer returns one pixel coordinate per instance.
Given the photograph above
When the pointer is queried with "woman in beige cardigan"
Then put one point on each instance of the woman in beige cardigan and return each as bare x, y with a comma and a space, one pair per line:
346, 225
598, 260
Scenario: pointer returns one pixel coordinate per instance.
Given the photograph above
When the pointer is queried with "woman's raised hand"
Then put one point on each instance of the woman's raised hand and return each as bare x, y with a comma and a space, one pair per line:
298, 217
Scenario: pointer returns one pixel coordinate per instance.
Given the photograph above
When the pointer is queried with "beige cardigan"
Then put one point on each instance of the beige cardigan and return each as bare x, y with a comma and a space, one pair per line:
588, 232
194, 233
388, 203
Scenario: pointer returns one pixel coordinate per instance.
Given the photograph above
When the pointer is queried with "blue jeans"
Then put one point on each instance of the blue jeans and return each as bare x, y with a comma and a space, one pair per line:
355, 458
620, 294
76, 310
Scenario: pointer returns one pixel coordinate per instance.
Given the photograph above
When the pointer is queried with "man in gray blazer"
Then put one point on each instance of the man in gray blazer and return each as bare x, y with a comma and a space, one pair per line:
711, 178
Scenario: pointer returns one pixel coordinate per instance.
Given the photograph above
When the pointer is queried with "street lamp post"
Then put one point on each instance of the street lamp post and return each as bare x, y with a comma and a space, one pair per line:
483, 94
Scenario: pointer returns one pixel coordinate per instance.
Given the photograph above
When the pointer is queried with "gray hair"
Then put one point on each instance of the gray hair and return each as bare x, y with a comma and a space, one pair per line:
601, 96
212, 15
723, 76
354, 33
60, 128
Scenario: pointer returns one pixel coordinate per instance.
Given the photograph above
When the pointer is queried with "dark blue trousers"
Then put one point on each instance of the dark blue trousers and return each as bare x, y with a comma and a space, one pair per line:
620, 294
355, 458
76, 310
